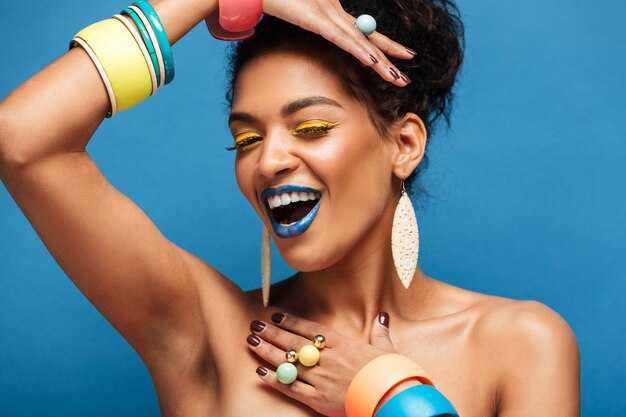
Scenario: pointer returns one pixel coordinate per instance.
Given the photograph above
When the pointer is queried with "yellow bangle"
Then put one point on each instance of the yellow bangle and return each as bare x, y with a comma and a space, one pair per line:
103, 74
122, 60
130, 25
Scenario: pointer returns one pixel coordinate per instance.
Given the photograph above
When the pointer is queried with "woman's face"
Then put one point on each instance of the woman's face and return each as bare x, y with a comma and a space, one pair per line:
301, 137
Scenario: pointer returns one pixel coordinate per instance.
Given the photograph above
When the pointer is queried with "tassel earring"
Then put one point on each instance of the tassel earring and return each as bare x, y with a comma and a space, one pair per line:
405, 239
266, 266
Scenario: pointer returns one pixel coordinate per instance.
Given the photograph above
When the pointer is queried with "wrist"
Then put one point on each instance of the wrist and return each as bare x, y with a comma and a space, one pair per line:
180, 16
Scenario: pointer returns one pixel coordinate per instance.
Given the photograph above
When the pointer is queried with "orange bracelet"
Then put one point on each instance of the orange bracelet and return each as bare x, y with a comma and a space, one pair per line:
376, 378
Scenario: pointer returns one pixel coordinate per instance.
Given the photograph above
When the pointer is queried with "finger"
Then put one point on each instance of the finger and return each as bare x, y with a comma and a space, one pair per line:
353, 41
391, 47
278, 337
308, 329
265, 350
342, 32
345, 38
310, 16
297, 390
382, 42
379, 335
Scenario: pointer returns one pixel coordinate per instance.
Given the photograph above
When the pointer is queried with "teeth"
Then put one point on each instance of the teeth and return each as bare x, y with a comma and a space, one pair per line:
292, 197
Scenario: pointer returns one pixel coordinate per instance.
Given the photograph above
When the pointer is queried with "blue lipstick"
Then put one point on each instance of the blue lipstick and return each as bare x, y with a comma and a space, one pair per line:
299, 227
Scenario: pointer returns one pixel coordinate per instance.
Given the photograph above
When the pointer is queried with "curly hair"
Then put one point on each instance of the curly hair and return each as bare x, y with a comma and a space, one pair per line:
432, 28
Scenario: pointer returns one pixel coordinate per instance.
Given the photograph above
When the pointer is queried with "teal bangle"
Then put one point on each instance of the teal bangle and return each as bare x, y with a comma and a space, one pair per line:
146, 39
418, 401
164, 43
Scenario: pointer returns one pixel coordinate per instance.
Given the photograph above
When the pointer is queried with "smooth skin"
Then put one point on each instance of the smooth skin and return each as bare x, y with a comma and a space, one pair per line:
189, 323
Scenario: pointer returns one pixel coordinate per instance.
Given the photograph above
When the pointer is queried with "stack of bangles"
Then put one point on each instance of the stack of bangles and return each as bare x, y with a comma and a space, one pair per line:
374, 381
132, 54
381, 375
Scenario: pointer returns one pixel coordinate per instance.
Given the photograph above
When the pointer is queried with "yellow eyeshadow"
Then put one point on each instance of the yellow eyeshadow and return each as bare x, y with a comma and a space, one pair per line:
315, 124
245, 136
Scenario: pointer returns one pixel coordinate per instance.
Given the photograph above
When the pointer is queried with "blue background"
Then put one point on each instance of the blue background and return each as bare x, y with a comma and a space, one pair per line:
529, 197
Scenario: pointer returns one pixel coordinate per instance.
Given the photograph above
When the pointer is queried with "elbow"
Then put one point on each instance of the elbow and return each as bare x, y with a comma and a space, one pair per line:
9, 156
4, 139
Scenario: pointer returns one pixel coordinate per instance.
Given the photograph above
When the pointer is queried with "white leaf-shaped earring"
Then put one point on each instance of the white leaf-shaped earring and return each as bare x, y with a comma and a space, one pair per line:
405, 239
266, 266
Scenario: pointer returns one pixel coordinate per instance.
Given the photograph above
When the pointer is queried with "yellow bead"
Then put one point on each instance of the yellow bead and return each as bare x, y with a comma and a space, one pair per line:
309, 355
319, 341
291, 355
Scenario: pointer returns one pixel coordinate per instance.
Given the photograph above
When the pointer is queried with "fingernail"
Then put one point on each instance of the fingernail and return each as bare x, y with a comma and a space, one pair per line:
383, 318
405, 78
373, 58
278, 318
394, 73
409, 50
253, 340
261, 371
257, 326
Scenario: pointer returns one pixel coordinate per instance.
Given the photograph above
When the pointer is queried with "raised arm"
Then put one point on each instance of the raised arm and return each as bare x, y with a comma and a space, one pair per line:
142, 283
108, 247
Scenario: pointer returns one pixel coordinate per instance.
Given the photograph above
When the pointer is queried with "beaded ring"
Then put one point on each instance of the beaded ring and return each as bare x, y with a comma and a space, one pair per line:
309, 355
366, 24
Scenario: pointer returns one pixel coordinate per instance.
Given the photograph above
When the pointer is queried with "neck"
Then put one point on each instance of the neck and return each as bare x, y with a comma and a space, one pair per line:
349, 294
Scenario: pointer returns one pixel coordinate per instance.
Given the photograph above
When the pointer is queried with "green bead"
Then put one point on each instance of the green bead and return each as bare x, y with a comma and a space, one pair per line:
286, 373
309, 355
366, 24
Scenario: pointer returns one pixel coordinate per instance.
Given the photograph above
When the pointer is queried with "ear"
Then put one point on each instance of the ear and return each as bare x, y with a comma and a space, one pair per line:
409, 137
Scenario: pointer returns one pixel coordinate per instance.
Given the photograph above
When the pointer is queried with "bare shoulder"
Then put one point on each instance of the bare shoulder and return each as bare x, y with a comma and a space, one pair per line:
514, 323
526, 327
527, 344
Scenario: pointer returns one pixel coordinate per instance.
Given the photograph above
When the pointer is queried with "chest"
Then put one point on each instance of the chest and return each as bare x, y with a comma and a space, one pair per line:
453, 363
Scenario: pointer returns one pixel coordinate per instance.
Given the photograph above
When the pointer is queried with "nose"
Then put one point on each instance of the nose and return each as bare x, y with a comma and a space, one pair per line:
276, 156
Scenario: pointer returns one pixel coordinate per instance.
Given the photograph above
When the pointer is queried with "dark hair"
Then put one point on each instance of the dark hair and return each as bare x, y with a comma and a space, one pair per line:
431, 27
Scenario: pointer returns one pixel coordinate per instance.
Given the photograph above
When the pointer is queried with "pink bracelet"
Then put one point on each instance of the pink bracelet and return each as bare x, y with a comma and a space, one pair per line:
235, 20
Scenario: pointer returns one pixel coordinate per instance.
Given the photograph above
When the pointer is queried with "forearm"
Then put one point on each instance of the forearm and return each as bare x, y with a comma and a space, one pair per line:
58, 109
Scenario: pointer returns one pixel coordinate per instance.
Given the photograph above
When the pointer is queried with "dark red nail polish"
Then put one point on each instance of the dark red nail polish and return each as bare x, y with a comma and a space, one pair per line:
261, 371
409, 50
373, 58
253, 340
383, 318
278, 318
257, 326
405, 78
394, 73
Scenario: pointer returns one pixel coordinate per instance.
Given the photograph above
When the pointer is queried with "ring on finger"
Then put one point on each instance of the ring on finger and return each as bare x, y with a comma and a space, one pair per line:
309, 355
366, 24
286, 373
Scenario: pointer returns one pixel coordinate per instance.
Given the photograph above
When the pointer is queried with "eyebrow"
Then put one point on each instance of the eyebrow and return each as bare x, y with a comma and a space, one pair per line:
287, 110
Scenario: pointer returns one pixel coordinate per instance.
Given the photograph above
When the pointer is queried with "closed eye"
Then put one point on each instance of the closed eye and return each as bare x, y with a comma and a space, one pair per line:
313, 128
245, 141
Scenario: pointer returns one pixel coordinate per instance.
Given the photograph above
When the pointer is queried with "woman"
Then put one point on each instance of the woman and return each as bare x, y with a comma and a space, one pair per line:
303, 114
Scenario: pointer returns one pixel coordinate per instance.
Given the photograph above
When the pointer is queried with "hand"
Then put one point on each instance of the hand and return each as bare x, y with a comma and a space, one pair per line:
328, 19
323, 386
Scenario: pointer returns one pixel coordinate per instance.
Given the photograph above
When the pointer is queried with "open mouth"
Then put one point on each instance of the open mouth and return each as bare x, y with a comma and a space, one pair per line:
291, 208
